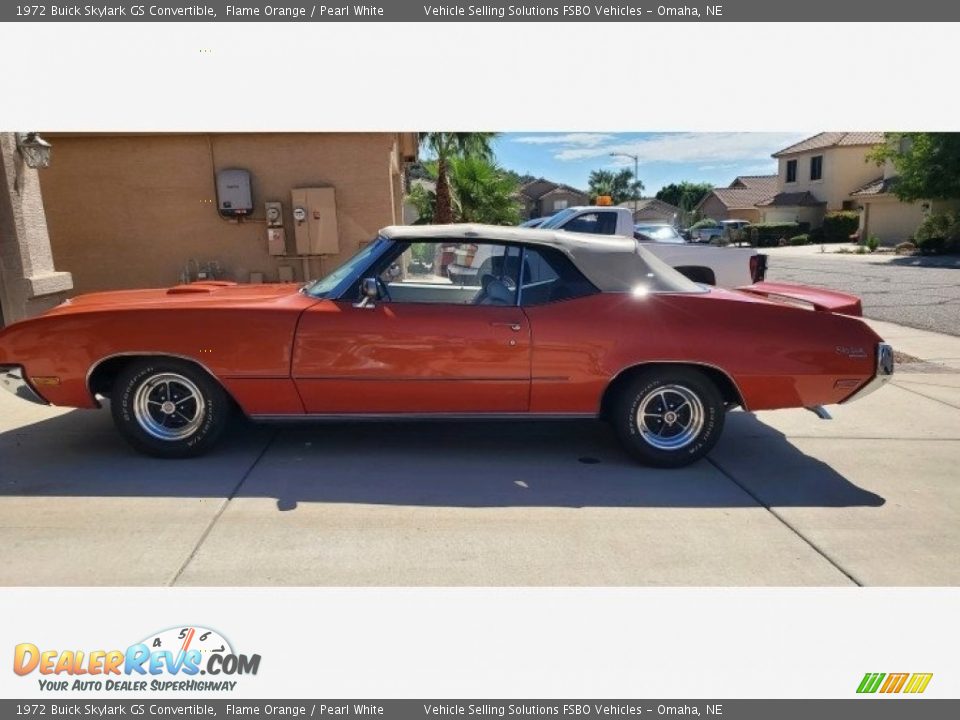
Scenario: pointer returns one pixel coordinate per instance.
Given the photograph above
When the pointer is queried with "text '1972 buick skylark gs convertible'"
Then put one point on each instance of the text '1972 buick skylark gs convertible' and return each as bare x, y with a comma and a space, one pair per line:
455, 321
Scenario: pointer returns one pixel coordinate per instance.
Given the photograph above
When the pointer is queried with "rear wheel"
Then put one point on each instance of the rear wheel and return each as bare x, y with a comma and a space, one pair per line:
169, 408
669, 417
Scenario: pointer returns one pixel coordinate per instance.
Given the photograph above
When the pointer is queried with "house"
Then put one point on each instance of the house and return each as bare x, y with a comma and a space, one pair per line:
143, 210
817, 175
739, 200
29, 281
833, 171
652, 210
885, 216
541, 198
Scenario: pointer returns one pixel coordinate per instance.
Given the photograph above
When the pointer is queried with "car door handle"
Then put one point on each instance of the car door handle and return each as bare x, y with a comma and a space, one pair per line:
513, 326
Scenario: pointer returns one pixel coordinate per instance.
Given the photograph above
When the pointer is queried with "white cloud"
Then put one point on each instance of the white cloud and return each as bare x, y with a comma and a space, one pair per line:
567, 139
704, 148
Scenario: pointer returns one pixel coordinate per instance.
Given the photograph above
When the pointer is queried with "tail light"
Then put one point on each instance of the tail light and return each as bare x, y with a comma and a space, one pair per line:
758, 267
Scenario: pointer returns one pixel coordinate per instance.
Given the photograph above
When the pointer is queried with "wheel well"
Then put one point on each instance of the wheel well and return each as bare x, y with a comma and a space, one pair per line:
728, 389
105, 373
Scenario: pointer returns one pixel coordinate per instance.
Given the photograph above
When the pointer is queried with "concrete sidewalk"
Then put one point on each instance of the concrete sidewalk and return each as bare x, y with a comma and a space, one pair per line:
930, 347
868, 498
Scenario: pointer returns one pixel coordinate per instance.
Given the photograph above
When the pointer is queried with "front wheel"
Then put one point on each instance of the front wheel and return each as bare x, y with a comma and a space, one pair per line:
169, 408
669, 417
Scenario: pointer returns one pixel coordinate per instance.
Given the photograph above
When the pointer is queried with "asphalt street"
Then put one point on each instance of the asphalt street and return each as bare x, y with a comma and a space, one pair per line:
917, 292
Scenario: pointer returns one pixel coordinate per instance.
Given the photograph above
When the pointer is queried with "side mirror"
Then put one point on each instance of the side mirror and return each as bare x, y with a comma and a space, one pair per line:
369, 293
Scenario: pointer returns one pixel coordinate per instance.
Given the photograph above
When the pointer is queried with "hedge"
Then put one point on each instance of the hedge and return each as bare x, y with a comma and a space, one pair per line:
839, 226
939, 233
770, 234
800, 240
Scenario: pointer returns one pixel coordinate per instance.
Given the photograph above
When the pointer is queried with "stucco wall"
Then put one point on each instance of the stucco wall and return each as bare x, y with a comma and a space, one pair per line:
130, 211
845, 169
713, 208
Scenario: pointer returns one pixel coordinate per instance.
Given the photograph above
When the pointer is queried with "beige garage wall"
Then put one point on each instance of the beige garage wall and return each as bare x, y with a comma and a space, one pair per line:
130, 210
893, 221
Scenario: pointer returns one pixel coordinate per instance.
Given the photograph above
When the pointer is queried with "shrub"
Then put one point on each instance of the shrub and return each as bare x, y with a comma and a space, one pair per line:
839, 226
800, 240
939, 233
816, 236
873, 242
770, 234
705, 222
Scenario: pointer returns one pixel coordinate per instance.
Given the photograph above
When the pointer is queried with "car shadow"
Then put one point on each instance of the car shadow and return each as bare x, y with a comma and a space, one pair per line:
924, 261
432, 464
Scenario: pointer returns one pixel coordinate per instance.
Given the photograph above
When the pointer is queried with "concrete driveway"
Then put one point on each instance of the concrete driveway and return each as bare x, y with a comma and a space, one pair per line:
869, 498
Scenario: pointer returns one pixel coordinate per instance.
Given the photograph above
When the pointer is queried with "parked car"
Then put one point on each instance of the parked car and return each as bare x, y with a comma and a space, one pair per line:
657, 232
563, 326
723, 229
706, 233
726, 267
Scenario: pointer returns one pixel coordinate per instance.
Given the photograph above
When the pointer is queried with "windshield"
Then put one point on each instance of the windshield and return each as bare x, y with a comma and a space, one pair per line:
331, 283
559, 219
661, 233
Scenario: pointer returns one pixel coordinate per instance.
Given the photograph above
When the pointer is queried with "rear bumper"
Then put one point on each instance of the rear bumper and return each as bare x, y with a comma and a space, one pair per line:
13, 381
882, 375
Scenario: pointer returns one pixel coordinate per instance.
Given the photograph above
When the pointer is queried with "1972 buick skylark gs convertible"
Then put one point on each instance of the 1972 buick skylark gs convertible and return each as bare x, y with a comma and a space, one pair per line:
551, 325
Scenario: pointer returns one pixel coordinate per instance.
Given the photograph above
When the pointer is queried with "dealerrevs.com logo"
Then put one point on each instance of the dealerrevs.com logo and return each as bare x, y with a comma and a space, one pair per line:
176, 659
894, 683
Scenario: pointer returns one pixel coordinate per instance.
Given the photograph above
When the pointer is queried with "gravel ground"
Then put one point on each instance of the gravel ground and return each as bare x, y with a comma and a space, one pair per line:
917, 292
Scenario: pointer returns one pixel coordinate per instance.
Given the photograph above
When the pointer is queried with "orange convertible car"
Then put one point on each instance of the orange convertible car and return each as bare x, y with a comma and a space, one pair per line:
453, 321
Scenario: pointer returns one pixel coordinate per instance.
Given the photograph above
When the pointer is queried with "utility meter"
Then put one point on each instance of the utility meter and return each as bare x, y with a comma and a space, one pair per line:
299, 214
274, 213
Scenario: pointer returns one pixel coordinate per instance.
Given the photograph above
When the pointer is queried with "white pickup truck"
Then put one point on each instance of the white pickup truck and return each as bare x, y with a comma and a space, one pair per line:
723, 266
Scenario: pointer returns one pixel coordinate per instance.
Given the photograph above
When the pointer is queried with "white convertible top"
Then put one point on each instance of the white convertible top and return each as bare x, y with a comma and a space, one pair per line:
613, 263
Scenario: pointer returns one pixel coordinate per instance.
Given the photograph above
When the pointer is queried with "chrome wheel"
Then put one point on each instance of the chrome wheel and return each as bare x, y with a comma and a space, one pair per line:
169, 406
670, 417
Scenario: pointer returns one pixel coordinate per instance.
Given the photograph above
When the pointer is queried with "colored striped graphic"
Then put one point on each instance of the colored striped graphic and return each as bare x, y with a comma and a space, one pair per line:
892, 683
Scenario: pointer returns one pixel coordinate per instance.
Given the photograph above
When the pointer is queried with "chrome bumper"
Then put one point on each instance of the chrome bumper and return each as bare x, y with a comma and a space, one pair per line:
882, 375
13, 381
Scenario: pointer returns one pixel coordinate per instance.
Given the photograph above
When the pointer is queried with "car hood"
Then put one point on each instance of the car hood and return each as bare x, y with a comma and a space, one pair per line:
208, 294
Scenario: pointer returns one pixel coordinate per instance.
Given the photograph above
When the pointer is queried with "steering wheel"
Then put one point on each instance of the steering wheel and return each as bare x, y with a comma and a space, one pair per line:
384, 292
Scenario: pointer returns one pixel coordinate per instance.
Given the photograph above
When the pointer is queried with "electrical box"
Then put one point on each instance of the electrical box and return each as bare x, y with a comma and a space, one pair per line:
276, 241
274, 214
234, 198
315, 221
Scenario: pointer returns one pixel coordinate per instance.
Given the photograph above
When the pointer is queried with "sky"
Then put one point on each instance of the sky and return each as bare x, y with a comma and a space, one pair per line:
716, 158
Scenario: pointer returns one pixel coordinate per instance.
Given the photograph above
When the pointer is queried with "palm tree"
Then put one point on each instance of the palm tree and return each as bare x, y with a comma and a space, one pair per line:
445, 146
620, 186
483, 192
480, 192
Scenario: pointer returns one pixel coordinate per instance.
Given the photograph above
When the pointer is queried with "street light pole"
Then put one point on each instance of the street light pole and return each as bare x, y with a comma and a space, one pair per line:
636, 177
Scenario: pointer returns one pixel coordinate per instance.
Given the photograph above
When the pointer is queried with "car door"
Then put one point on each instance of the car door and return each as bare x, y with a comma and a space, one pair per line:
436, 342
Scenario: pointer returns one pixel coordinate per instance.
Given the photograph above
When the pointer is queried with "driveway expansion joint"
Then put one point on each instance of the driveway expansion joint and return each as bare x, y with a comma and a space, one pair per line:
223, 506
784, 522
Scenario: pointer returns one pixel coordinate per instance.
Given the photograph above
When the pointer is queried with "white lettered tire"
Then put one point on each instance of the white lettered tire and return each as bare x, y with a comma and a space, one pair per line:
169, 408
669, 417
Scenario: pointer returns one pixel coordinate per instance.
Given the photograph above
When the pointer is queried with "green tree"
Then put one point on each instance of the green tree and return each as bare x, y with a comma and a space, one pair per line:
444, 147
684, 195
620, 186
480, 192
927, 164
